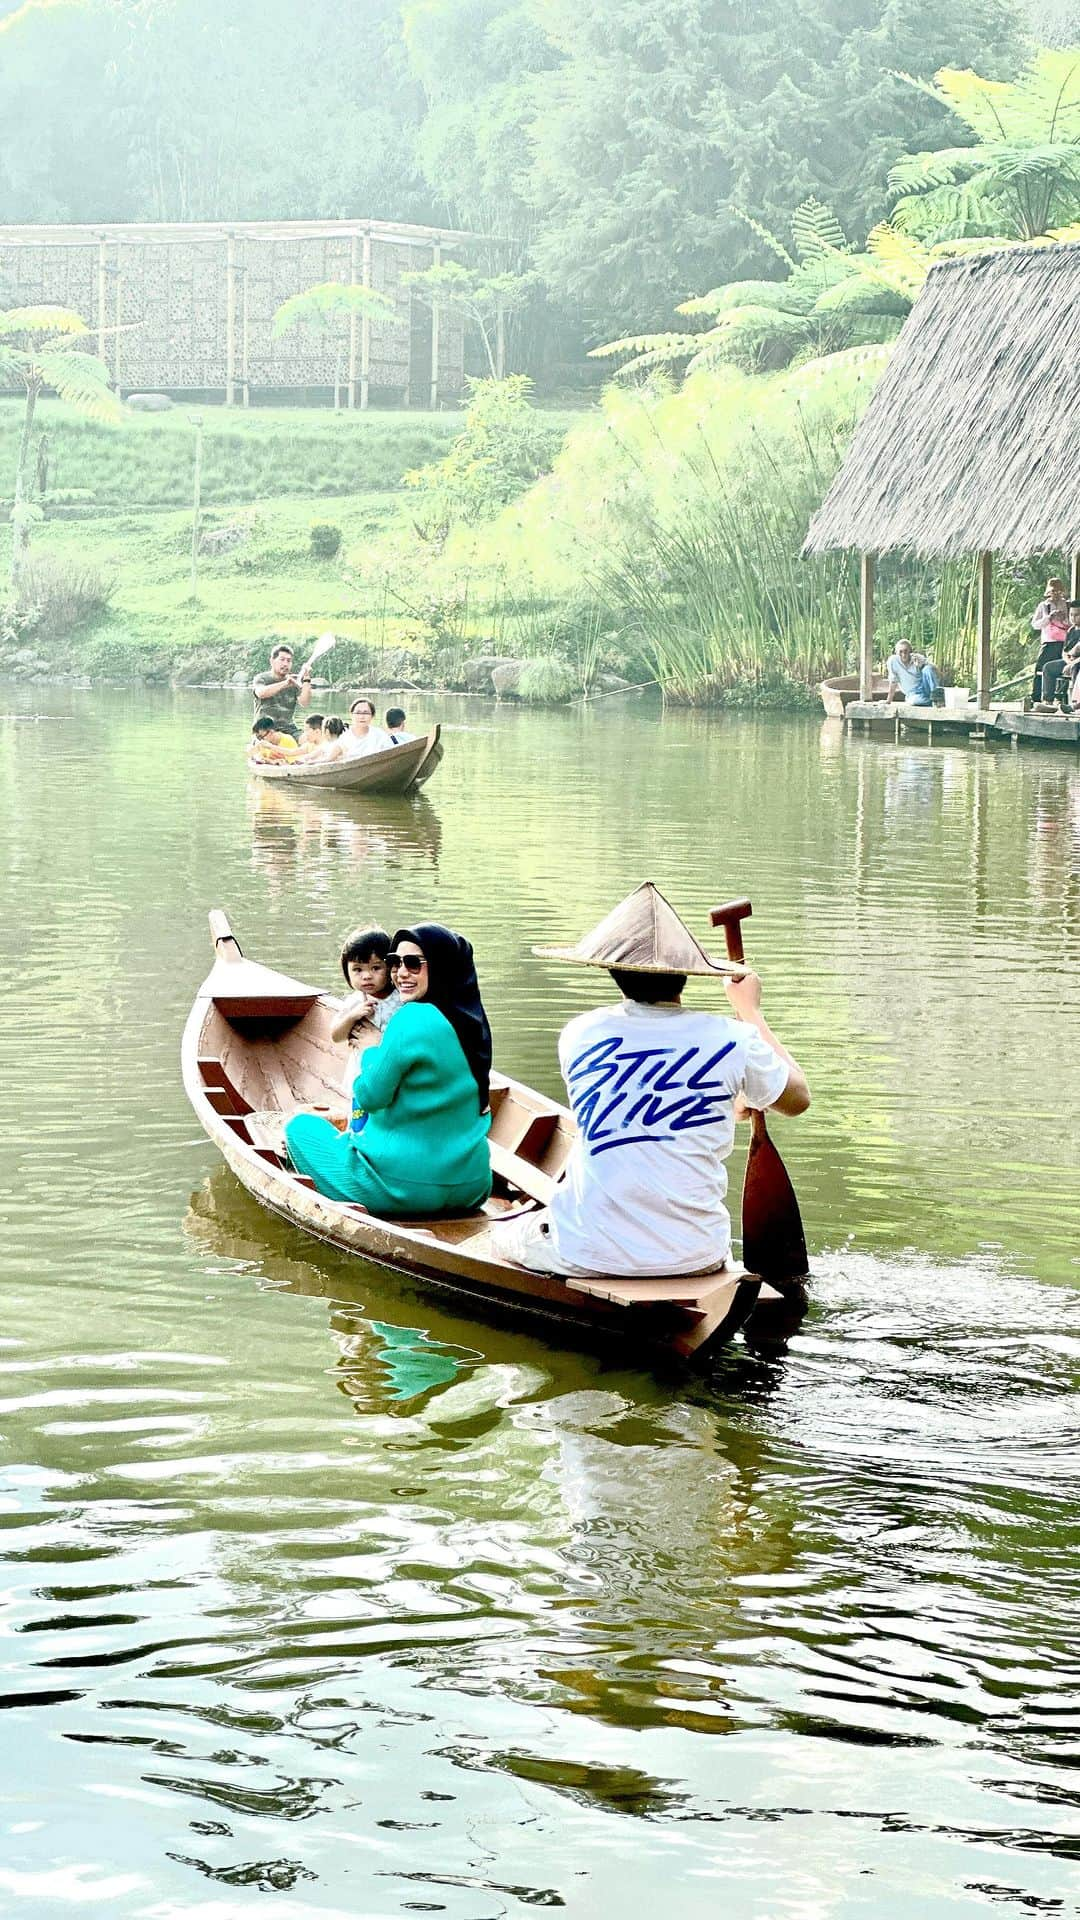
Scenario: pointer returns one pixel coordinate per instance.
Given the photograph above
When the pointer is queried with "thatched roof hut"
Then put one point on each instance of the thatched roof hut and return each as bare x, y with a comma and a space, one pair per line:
967, 441
967, 446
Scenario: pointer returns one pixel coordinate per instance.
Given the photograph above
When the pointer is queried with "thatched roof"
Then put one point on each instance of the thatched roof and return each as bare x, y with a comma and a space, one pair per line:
970, 441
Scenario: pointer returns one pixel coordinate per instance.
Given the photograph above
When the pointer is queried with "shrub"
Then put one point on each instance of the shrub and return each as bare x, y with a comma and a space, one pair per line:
547, 680
505, 445
63, 596
325, 540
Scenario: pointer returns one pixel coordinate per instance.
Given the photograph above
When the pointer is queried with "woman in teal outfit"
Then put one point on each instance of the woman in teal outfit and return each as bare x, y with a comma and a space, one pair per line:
417, 1140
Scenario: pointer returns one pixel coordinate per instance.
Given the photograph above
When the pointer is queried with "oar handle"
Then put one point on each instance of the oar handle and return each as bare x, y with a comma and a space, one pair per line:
731, 916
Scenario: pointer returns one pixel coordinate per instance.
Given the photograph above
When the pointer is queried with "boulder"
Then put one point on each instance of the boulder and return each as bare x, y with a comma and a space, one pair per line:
477, 674
505, 677
150, 402
224, 539
611, 683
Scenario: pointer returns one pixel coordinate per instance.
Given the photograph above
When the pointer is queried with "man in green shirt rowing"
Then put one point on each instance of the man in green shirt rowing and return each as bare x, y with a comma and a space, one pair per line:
279, 691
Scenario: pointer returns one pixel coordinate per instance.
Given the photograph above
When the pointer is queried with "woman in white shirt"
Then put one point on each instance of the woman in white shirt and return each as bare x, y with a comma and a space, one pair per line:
363, 736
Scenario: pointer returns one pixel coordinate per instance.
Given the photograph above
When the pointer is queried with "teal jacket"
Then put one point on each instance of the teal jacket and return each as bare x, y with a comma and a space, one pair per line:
424, 1130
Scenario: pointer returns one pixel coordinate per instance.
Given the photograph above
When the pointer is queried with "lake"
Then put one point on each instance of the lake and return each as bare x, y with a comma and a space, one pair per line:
318, 1586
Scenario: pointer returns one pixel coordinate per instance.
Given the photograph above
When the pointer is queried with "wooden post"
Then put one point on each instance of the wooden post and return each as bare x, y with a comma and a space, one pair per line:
866, 626
230, 320
102, 286
982, 669
196, 504
365, 329
245, 340
354, 330
436, 261
119, 309
1074, 585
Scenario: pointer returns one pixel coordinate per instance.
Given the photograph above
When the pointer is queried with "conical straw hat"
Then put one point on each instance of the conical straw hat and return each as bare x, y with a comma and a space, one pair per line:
643, 934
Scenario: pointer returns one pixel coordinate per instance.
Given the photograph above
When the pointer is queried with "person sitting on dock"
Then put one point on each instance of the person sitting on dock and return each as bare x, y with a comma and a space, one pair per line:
656, 1088
269, 743
279, 691
913, 678
395, 727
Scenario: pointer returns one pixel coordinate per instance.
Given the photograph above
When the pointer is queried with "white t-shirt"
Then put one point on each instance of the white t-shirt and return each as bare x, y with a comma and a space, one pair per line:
374, 741
653, 1092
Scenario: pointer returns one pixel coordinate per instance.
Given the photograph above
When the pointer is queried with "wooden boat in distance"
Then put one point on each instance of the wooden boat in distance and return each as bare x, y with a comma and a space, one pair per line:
394, 770
838, 692
257, 1046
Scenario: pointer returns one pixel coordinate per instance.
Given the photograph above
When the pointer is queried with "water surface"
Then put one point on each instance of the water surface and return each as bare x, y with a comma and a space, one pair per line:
319, 1588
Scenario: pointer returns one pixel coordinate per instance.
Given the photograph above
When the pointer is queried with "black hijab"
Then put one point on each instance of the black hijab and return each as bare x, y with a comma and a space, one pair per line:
454, 989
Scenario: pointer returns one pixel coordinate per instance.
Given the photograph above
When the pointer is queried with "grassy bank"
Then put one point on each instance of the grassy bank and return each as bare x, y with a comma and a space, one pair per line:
118, 506
258, 455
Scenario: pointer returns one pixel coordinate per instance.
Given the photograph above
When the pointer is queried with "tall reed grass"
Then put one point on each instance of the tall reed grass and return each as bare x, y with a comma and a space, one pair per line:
681, 516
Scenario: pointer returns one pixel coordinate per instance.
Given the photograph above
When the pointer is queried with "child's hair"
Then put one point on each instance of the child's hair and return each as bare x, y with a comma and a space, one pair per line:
1073, 603
395, 716
314, 720
364, 943
264, 724
334, 726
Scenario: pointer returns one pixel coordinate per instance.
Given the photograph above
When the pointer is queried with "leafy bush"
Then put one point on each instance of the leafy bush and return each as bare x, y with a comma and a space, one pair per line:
506, 444
547, 680
325, 540
62, 596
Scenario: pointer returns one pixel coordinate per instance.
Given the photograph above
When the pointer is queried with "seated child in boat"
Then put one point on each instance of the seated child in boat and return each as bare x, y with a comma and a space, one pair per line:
371, 1000
311, 739
330, 745
396, 723
267, 745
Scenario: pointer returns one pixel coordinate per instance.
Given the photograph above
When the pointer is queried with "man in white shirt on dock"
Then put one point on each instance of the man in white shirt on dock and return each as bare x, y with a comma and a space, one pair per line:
913, 678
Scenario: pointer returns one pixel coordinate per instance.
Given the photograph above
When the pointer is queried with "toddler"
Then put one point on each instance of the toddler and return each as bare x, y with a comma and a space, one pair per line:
371, 1000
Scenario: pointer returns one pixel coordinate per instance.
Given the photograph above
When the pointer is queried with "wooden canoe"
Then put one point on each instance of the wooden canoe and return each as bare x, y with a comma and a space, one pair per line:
257, 1046
393, 771
838, 692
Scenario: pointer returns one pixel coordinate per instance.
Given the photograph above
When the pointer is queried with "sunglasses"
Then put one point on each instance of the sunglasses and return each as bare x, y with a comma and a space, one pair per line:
405, 962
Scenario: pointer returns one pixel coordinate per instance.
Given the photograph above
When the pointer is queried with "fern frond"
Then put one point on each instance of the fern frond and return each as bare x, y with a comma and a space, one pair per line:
916, 171
81, 379
333, 300
815, 230
672, 345
770, 240
54, 320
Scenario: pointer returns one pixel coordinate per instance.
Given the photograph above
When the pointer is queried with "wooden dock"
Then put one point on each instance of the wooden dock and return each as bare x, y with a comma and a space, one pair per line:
1001, 722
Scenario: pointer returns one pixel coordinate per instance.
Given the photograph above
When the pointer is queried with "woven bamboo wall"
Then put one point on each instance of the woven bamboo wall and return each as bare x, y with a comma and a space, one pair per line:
164, 302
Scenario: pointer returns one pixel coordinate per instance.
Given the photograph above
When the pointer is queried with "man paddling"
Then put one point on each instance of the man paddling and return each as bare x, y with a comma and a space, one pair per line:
655, 1088
279, 691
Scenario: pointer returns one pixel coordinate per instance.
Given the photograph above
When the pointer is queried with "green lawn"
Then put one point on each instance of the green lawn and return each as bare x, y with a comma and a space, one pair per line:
276, 472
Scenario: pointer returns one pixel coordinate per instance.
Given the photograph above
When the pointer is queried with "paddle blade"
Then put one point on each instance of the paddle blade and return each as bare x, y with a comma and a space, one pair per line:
322, 646
773, 1241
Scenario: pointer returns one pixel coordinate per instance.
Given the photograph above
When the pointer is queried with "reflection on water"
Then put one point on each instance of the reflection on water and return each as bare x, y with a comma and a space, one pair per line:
320, 1587
378, 833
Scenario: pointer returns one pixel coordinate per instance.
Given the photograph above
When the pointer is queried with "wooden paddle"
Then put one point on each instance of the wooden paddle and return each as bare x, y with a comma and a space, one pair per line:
773, 1241
321, 646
